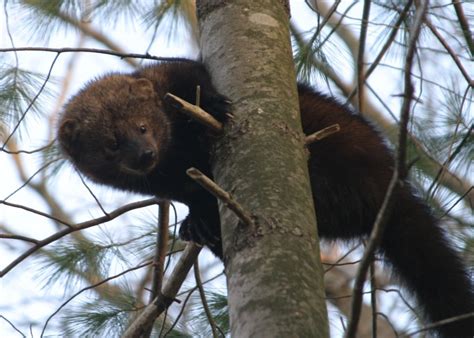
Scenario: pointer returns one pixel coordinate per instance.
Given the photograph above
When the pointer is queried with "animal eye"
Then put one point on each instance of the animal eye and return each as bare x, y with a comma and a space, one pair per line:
113, 145
143, 129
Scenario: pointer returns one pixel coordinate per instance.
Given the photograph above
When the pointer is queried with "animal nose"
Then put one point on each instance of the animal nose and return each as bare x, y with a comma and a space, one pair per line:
147, 158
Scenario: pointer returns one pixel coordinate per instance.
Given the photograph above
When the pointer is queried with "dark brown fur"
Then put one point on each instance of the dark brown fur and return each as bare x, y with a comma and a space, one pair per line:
119, 131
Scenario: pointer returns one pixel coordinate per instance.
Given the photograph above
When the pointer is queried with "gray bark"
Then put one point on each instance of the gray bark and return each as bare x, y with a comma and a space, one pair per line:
274, 274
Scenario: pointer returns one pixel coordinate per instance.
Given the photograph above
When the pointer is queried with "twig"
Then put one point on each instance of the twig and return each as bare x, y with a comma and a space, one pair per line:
390, 39
211, 321
398, 174
33, 100
162, 236
20, 238
189, 292
221, 194
162, 246
451, 52
440, 323
34, 211
28, 181
464, 25
448, 161
12, 325
88, 288
373, 298
323, 133
167, 296
194, 112
81, 226
91, 50
91, 193
28, 151
409, 90
360, 55
374, 240
468, 191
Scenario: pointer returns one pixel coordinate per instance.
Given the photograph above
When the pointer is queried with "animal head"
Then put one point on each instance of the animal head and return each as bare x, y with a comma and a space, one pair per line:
114, 126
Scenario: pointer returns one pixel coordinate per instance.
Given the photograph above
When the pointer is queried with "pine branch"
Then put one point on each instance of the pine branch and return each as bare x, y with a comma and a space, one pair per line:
167, 296
81, 226
399, 175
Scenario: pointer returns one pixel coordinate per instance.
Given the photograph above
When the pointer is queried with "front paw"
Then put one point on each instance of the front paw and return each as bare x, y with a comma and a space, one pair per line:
185, 230
219, 107
197, 231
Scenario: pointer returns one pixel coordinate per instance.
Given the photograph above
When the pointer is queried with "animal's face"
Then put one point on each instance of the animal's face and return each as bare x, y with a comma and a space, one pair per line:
114, 127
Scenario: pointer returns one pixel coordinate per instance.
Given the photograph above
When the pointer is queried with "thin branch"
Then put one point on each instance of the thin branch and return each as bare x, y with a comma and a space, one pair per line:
162, 236
91, 193
161, 248
451, 52
390, 39
464, 25
373, 299
450, 180
37, 150
91, 50
398, 174
466, 194
20, 238
195, 112
28, 181
167, 296
449, 160
12, 325
81, 226
360, 55
221, 194
409, 90
321, 134
189, 292
375, 238
441, 323
43, 86
205, 305
34, 211
89, 288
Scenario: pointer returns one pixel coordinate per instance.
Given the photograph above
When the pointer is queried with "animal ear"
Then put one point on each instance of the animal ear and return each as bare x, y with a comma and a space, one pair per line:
68, 135
142, 88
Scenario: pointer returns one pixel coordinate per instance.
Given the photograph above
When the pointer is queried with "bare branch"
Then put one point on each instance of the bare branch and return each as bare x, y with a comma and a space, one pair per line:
321, 134
167, 296
81, 226
20, 238
12, 325
221, 194
451, 52
122, 55
399, 173
161, 248
464, 25
211, 321
360, 55
34, 211
441, 323
162, 236
450, 180
195, 112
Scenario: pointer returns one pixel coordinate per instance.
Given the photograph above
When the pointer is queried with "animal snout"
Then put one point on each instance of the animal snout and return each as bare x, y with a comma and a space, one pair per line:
147, 158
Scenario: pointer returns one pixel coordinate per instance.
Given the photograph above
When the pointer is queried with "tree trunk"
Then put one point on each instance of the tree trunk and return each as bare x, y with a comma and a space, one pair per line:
273, 268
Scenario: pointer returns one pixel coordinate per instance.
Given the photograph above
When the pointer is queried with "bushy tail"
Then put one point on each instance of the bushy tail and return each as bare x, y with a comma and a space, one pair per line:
429, 267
